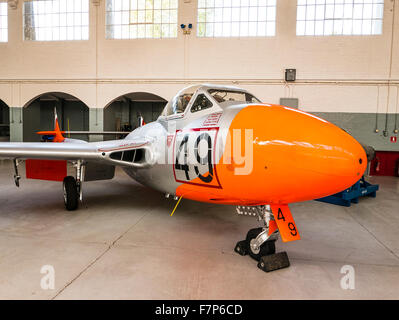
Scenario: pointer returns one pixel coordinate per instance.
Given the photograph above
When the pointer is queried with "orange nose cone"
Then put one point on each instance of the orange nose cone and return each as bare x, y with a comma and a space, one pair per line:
296, 156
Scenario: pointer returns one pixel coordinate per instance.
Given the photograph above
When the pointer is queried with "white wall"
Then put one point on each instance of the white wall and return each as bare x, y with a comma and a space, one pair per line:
335, 74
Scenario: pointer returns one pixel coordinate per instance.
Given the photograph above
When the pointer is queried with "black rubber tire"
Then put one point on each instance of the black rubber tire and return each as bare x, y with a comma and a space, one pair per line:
266, 248
71, 197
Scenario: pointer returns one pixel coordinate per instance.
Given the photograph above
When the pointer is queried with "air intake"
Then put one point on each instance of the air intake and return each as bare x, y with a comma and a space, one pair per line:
130, 156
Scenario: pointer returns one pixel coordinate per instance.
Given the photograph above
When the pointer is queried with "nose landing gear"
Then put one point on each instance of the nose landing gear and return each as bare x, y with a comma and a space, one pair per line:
259, 243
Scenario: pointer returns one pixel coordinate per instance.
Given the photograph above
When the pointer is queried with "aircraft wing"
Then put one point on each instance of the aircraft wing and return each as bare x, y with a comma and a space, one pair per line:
98, 133
132, 153
90, 133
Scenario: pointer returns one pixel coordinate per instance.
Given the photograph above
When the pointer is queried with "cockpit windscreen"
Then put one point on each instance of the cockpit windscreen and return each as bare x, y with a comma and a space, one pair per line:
232, 96
180, 102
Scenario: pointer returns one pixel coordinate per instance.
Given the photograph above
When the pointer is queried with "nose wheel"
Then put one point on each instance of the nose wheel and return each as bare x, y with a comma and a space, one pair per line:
255, 251
259, 243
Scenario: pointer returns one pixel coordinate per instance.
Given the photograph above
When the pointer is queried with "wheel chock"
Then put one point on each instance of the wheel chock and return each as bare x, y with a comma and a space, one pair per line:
241, 248
274, 262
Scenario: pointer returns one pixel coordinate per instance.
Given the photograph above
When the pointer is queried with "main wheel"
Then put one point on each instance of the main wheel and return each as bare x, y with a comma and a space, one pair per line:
71, 197
265, 249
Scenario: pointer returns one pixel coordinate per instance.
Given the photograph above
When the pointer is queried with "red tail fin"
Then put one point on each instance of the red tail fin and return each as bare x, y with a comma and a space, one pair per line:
57, 133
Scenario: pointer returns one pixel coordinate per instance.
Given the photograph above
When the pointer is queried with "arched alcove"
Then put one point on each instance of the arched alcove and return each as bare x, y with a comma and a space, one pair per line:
38, 114
122, 113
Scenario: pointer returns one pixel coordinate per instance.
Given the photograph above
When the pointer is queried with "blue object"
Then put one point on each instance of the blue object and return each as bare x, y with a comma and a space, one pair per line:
351, 195
183, 26
190, 25
47, 138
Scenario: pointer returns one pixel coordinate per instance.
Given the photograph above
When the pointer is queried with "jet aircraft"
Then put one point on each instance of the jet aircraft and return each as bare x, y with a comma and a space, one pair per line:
218, 144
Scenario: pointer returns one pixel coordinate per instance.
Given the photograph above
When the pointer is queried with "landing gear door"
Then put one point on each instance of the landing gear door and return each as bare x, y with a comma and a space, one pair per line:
98, 171
285, 222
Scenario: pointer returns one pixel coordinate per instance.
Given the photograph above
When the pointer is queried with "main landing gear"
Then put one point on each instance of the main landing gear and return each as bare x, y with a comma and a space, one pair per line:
17, 177
73, 187
260, 242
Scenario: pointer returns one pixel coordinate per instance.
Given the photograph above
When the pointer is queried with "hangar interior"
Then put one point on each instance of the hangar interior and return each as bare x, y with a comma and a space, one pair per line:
122, 113
101, 66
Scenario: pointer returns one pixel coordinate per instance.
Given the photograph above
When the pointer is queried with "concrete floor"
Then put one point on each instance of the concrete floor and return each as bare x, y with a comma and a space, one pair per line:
122, 244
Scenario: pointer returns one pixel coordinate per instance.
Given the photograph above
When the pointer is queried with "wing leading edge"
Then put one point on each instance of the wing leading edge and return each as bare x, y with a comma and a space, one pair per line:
132, 153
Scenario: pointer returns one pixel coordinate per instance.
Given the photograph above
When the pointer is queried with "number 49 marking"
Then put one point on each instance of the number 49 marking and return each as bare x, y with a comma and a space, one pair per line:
207, 160
194, 157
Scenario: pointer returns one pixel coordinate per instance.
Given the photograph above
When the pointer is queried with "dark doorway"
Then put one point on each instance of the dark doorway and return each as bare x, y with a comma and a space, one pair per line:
73, 115
4, 122
122, 113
